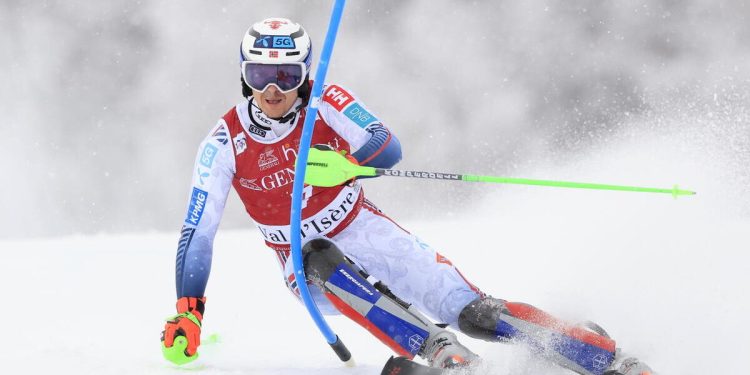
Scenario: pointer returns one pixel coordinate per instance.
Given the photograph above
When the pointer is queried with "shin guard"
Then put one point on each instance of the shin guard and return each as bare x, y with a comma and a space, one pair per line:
376, 309
575, 348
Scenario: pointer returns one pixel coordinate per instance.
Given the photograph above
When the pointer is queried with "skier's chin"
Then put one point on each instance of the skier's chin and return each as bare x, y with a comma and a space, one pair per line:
274, 108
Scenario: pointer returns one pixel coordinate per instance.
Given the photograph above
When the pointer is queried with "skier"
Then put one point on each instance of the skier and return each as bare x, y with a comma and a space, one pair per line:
362, 263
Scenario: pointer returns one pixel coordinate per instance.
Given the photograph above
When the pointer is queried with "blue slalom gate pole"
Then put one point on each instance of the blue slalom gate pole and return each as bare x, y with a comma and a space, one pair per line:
299, 173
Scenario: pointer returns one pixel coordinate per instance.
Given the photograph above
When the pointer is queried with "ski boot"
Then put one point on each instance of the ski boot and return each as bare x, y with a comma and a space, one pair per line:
443, 350
627, 365
445, 355
623, 364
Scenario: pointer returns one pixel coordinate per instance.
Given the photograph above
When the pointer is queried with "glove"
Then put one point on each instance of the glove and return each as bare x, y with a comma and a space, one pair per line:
339, 175
185, 326
326, 147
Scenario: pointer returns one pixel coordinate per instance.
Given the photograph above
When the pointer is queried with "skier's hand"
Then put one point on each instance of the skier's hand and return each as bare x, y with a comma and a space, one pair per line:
186, 323
348, 156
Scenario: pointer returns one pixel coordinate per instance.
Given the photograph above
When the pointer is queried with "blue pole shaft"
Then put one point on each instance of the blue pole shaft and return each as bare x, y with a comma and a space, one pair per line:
299, 173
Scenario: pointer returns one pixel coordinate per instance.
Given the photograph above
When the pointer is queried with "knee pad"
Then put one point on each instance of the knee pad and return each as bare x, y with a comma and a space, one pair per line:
479, 319
493, 319
320, 258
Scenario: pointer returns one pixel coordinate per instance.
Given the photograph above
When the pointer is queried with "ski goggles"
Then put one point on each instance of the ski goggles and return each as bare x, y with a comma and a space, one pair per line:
285, 76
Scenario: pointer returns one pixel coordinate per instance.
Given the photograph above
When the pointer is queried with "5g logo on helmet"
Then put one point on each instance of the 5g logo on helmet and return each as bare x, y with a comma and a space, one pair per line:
274, 41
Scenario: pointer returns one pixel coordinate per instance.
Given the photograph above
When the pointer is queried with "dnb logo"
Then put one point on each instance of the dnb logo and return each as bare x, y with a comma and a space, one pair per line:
359, 115
274, 41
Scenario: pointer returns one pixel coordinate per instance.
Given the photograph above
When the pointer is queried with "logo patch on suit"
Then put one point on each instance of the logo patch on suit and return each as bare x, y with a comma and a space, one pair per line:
256, 130
240, 143
337, 97
208, 154
202, 176
359, 115
250, 184
267, 160
220, 134
197, 205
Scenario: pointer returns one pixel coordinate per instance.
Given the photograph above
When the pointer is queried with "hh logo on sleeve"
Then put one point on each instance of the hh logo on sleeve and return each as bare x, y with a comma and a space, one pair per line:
338, 97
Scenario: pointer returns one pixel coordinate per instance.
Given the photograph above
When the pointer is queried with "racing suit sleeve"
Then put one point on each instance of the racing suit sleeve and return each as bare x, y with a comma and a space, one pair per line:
372, 144
212, 178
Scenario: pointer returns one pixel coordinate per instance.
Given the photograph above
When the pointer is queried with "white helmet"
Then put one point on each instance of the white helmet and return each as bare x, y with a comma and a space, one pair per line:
276, 40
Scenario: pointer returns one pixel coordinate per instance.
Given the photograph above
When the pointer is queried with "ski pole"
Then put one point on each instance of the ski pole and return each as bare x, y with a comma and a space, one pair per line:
296, 212
331, 168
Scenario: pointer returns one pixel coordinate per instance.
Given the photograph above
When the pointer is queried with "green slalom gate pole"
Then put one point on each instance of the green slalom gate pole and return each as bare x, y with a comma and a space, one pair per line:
327, 168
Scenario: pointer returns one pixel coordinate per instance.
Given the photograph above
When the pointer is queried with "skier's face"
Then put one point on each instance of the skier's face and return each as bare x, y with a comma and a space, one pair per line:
273, 102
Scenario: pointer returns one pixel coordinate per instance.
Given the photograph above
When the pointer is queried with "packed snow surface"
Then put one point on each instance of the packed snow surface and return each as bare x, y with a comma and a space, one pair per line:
666, 277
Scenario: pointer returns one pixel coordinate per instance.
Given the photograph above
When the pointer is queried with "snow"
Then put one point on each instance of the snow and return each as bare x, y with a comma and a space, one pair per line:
666, 277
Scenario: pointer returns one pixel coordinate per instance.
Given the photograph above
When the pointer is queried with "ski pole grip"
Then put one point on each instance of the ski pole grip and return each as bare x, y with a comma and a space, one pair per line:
341, 350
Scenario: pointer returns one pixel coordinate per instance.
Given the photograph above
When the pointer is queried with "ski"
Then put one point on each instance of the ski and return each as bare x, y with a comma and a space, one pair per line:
405, 366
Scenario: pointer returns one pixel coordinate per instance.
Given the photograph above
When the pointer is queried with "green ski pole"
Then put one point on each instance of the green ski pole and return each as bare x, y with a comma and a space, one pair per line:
328, 168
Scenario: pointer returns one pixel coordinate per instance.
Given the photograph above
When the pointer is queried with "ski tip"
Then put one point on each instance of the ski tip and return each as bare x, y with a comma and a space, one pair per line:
350, 363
